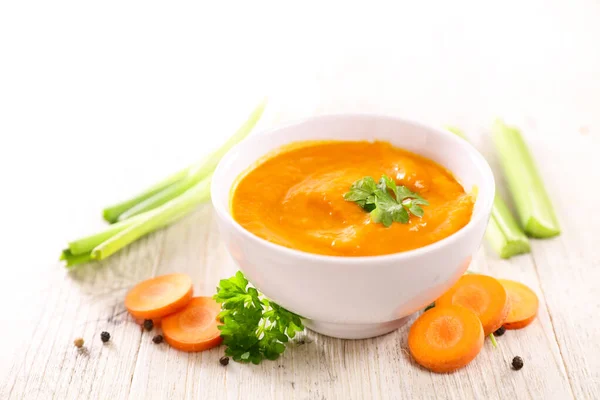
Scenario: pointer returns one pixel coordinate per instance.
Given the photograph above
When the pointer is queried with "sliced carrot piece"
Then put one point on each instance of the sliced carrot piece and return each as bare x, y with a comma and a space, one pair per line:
445, 338
157, 297
524, 304
194, 328
483, 295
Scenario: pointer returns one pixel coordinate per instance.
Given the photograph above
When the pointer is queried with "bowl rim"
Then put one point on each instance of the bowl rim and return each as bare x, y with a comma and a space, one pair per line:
479, 161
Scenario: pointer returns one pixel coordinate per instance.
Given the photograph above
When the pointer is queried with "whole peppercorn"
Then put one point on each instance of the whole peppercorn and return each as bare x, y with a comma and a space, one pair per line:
517, 363
224, 360
148, 324
500, 331
157, 339
78, 342
105, 337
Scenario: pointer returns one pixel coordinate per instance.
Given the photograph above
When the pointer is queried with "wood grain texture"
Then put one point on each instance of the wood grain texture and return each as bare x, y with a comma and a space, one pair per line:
555, 347
463, 81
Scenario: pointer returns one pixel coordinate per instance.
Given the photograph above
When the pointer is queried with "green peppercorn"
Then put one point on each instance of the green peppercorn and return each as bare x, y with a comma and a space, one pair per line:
105, 337
157, 339
517, 363
500, 331
148, 324
224, 360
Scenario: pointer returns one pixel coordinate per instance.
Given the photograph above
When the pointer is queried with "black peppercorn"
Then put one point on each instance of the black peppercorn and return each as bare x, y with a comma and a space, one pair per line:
224, 360
148, 324
500, 331
517, 363
157, 339
105, 337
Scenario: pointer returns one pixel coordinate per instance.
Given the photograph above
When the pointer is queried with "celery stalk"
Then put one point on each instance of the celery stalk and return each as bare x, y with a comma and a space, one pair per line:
111, 213
158, 206
503, 233
456, 131
73, 259
531, 200
197, 173
156, 219
86, 244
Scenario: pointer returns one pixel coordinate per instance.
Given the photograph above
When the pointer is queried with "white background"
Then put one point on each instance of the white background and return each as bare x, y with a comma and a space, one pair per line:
99, 99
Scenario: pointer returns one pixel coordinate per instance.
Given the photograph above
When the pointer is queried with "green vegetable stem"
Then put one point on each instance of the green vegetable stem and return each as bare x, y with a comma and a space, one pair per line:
155, 219
532, 202
195, 173
157, 206
503, 232
112, 213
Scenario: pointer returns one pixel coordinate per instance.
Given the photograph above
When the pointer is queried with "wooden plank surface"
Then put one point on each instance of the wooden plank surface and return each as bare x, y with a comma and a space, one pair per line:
556, 347
538, 62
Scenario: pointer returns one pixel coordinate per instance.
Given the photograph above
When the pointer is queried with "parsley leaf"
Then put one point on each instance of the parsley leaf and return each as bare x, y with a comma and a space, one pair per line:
362, 192
254, 328
386, 201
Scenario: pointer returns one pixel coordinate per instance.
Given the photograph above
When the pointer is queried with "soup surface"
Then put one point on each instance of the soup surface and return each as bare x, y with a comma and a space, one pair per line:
294, 197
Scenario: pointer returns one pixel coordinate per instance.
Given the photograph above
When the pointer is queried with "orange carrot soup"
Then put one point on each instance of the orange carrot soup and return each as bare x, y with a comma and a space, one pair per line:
295, 197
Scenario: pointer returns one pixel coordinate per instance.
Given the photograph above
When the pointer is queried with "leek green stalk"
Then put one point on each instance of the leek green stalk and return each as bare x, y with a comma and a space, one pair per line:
533, 205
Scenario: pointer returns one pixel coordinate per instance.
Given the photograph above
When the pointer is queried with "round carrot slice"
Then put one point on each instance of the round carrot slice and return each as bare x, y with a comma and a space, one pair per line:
194, 328
483, 295
445, 338
523, 304
157, 297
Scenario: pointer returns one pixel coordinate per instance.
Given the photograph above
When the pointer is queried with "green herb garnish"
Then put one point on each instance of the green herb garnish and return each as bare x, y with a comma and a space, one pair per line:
386, 201
254, 328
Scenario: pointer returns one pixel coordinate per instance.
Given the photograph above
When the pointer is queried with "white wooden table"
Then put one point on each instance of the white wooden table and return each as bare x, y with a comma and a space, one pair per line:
84, 142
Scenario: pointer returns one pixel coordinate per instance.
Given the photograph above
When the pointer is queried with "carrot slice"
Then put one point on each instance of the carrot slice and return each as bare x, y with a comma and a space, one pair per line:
523, 304
446, 338
157, 297
194, 328
483, 295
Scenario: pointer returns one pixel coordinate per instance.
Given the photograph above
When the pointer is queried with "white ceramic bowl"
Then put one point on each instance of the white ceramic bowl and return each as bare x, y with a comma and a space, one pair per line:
356, 297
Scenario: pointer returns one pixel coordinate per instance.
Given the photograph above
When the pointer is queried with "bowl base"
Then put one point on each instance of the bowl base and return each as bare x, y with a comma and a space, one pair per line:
354, 331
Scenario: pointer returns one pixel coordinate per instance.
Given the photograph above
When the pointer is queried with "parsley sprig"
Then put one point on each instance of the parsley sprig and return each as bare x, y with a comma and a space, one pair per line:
386, 201
254, 328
